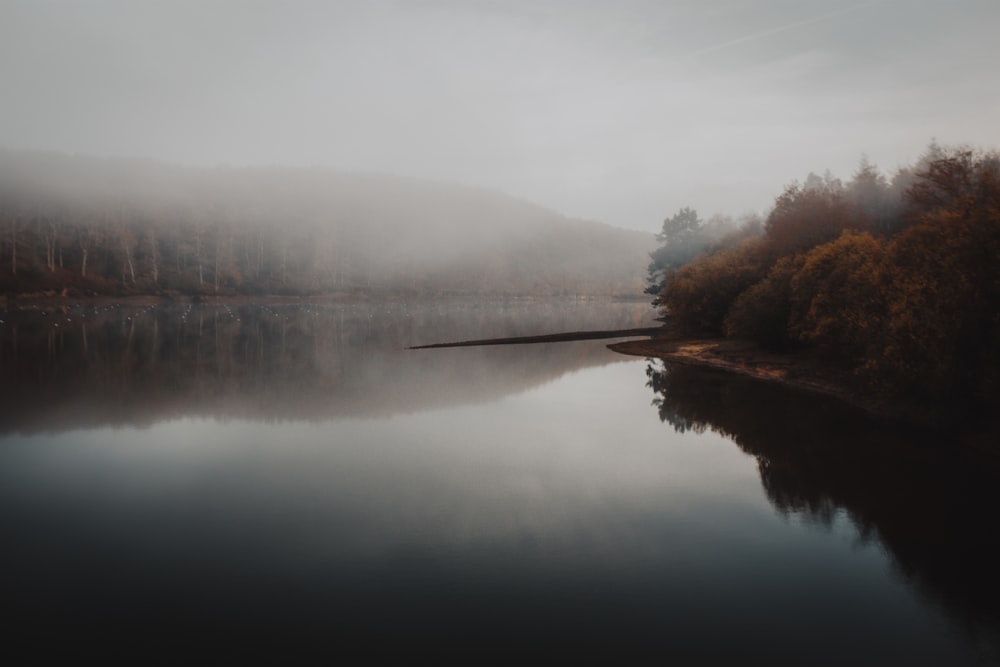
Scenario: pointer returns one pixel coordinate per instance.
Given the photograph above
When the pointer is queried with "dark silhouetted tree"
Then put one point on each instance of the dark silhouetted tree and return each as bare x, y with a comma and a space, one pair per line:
682, 237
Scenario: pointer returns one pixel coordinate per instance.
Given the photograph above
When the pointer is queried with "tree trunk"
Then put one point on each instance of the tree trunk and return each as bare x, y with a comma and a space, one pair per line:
128, 259
197, 252
155, 257
49, 237
284, 262
260, 254
13, 246
246, 257
218, 260
84, 241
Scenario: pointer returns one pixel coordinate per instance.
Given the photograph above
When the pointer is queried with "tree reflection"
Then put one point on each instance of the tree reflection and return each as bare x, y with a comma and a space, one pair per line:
81, 366
931, 503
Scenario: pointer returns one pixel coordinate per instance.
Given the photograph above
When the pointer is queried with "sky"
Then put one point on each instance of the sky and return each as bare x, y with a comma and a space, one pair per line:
621, 111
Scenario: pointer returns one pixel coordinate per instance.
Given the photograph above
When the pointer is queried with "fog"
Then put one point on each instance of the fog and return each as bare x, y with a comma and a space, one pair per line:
620, 112
81, 226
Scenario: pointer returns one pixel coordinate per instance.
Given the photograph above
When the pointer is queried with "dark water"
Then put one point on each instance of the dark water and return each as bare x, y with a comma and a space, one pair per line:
291, 478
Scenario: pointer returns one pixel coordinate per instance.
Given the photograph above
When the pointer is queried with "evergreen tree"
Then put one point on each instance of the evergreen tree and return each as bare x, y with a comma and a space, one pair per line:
683, 238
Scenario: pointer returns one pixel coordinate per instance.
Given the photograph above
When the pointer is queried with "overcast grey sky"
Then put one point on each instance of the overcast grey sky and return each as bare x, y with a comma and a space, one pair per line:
615, 110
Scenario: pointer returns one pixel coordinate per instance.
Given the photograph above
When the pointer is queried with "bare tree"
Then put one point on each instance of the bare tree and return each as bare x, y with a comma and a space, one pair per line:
13, 225
154, 255
127, 239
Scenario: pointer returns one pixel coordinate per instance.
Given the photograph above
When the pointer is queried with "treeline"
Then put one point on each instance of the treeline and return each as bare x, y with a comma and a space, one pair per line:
898, 280
84, 225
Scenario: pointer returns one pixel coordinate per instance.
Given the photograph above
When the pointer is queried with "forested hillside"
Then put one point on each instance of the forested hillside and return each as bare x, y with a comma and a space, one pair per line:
84, 225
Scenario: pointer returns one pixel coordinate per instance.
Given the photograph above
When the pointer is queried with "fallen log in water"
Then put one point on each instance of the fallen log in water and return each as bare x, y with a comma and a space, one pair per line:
548, 338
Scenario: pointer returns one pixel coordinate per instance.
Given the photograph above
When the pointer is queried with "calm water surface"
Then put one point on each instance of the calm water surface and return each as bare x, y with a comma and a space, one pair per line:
292, 476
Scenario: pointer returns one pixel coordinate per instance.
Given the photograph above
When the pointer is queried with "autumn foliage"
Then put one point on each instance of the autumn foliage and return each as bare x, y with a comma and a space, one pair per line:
899, 281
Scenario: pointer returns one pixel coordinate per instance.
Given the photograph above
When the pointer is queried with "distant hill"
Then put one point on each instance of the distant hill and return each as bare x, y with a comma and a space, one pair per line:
88, 225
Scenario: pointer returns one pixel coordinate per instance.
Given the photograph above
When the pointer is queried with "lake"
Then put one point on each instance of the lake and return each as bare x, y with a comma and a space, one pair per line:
292, 477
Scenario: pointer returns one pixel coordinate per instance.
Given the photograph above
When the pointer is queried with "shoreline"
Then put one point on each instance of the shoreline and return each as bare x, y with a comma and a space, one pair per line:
807, 372
800, 370
743, 357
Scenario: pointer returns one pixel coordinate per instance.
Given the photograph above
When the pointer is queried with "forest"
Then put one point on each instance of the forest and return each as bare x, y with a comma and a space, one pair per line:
82, 226
896, 279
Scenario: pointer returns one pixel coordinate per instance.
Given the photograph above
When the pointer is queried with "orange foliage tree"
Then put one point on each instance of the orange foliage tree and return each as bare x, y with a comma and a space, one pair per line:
804, 217
836, 299
699, 295
942, 332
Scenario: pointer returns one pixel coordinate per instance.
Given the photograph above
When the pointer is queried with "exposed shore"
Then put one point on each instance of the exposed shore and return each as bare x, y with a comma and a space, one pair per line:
799, 370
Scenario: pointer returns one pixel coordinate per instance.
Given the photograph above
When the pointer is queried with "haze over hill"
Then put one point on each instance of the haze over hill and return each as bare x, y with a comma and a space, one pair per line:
620, 111
132, 226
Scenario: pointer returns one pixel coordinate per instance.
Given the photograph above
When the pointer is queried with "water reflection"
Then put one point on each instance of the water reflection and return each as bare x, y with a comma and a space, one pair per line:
930, 504
85, 366
563, 517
